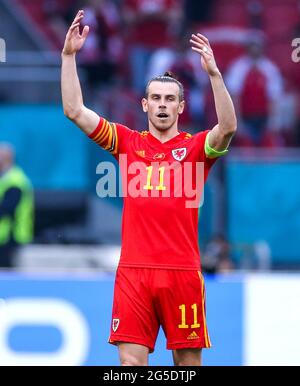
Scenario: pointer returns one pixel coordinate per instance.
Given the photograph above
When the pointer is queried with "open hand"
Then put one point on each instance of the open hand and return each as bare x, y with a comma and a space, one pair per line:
201, 45
74, 40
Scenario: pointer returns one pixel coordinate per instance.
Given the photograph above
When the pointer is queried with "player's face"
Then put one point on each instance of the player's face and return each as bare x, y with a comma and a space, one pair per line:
4, 158
163, 105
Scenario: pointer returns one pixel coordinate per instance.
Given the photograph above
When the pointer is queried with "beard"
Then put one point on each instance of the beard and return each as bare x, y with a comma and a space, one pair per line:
161, 126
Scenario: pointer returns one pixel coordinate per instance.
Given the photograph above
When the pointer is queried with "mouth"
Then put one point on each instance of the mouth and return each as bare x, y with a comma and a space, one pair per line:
162, 115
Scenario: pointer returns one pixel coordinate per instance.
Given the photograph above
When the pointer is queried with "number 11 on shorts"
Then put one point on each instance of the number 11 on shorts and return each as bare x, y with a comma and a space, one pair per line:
183, 324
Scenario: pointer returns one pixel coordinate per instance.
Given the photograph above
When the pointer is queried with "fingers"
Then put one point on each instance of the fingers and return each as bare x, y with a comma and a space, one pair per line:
78, 18
85, 31
205, 54
200, 45
76, 22
199, 40
80, 14
203, 38
73, 26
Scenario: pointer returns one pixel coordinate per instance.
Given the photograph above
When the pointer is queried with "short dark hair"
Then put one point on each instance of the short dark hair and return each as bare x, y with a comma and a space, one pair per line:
167, 77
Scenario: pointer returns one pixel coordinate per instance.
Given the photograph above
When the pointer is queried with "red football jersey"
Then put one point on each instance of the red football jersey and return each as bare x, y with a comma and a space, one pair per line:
162, 189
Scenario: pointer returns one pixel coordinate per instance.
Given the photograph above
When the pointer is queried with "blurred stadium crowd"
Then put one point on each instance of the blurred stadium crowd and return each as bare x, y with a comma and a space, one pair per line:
130, 41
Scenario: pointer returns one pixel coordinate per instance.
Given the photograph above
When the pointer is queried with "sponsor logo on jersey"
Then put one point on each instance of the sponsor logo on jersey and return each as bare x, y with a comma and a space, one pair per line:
115, 324
193, 335
159, 156
179, 154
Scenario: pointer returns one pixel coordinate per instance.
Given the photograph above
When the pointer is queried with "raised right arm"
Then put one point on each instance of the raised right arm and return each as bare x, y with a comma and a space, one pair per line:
86, 119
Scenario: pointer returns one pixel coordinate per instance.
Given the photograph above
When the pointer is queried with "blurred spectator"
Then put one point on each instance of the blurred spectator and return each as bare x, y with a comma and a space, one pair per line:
295, 81
255, 83
289, 104
103, 52
195, 13
149, 25
102, 55
16, 207
109, 105
263, 255
216, 258
55, 12
255, 11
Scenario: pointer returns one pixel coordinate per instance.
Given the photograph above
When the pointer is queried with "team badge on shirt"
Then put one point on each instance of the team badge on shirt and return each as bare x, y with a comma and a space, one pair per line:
115, 324
179, 154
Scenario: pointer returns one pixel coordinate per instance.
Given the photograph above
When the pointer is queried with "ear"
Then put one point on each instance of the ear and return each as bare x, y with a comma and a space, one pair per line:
181, 107
145, 105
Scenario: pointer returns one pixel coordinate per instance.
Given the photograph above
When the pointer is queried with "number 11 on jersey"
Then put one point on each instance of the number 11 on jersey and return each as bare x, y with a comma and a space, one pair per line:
183, 324
148, 185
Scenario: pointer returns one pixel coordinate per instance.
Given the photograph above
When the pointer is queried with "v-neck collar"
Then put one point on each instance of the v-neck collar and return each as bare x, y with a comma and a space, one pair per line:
168, 143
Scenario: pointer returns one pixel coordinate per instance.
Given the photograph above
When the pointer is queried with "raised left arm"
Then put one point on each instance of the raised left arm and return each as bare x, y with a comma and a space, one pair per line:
221, 134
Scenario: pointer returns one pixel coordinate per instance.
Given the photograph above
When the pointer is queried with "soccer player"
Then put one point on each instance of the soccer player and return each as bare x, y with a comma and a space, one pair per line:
158, 280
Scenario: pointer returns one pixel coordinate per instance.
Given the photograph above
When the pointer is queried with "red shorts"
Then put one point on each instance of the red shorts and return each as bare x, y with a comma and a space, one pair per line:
146, 298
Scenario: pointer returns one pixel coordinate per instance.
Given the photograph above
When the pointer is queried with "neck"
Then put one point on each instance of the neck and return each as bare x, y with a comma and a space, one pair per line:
163, 135
5, 169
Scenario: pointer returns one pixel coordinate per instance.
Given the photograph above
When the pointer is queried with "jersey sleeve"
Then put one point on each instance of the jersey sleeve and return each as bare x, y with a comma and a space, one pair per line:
111, 136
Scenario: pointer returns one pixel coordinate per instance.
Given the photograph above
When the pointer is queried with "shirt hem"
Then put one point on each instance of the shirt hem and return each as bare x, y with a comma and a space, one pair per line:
161, 266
